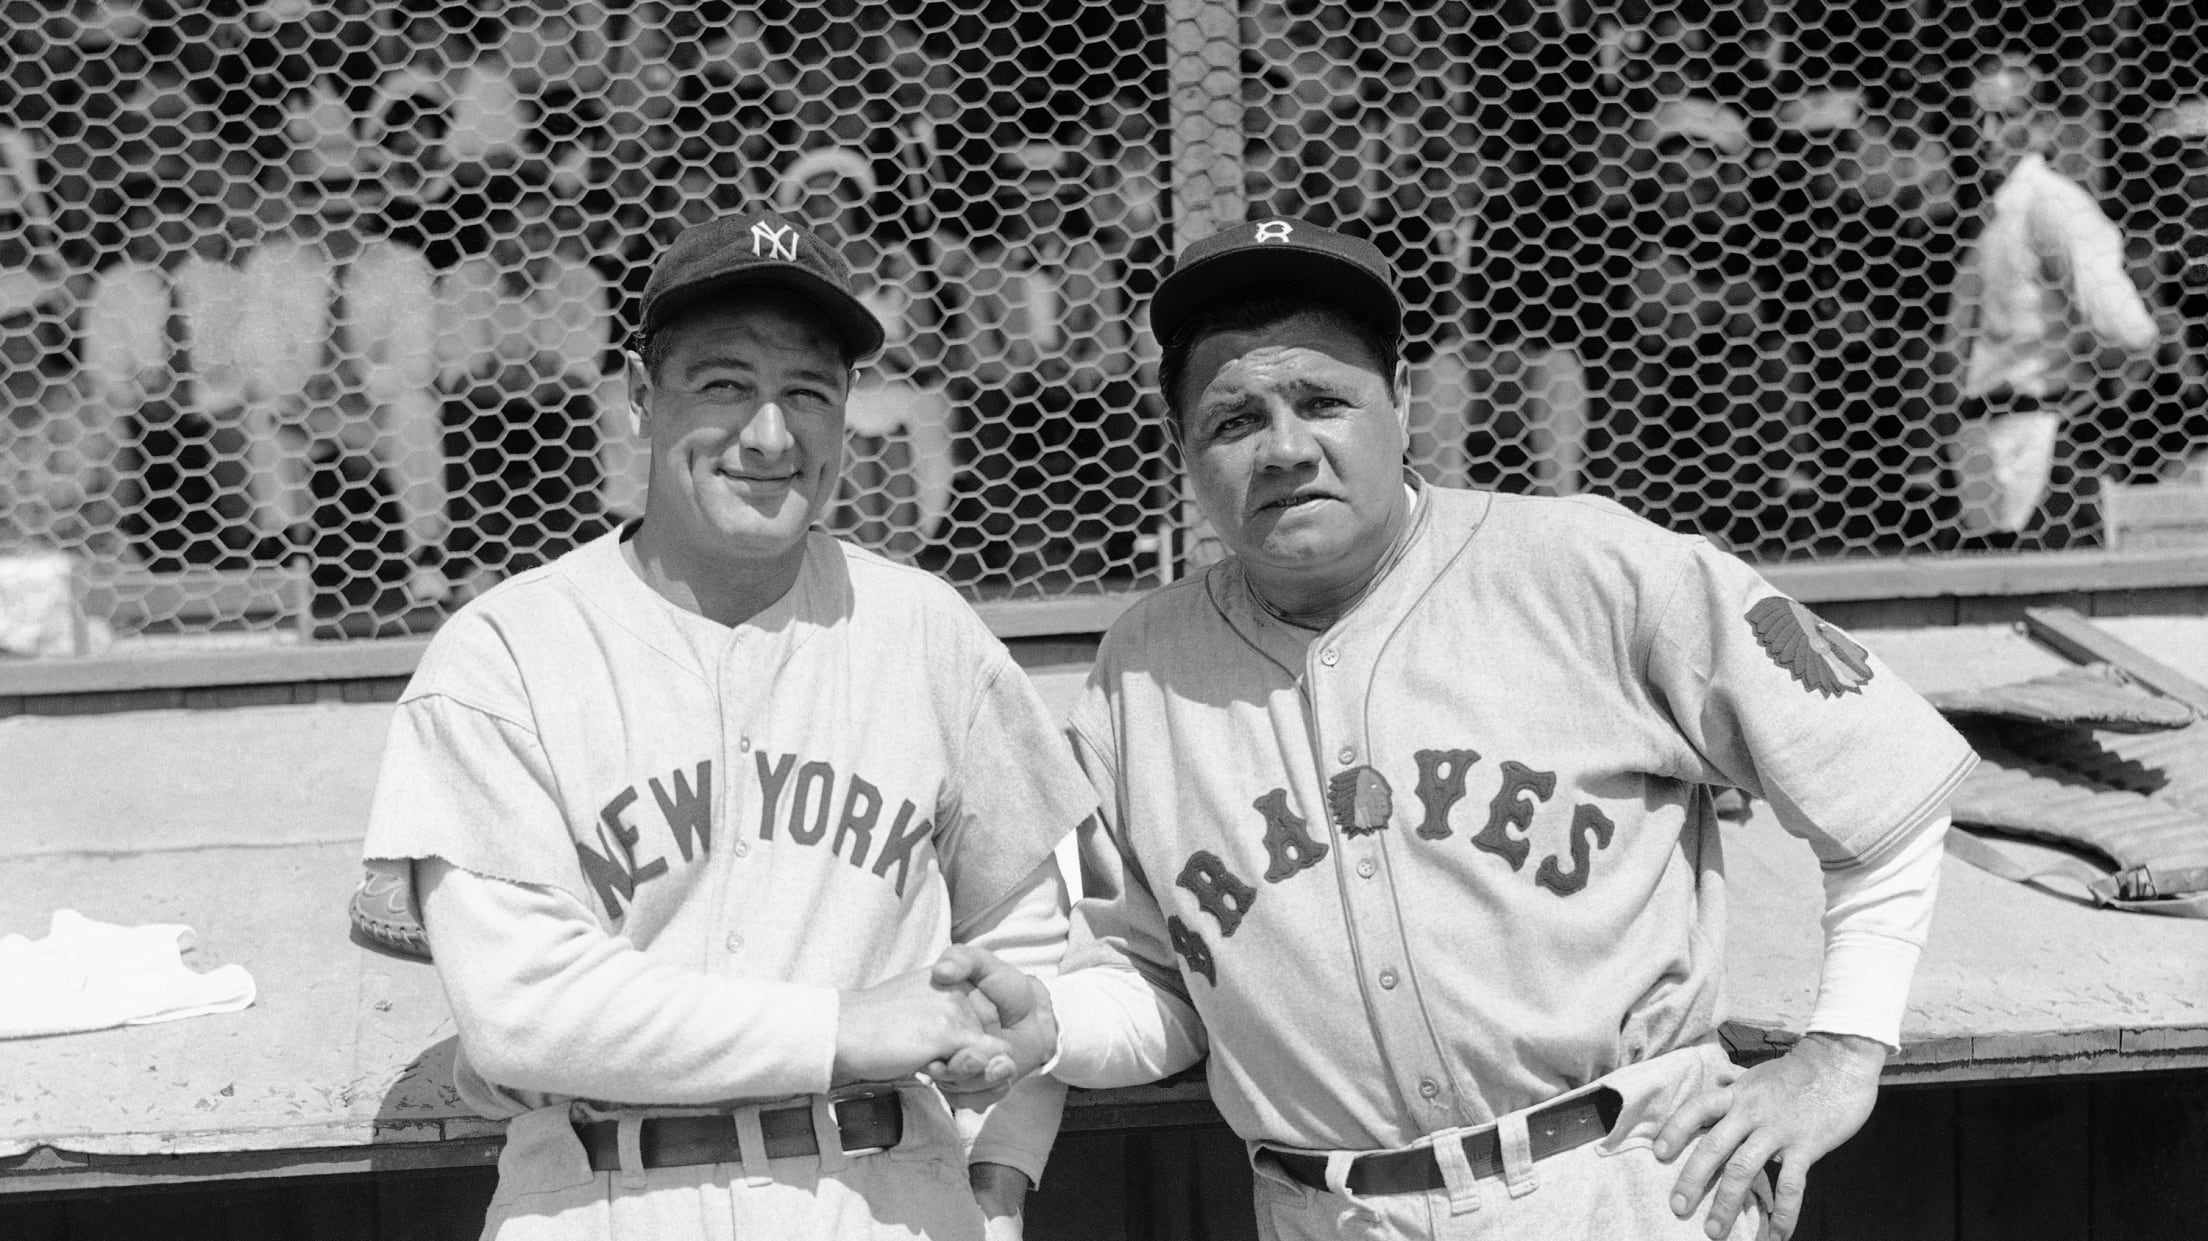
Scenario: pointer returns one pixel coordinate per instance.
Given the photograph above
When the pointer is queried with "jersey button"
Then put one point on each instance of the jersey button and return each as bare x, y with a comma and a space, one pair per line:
1328, 657
1387, 980
1348, 754
1367, 867
743, 743
735, 943
739, 848
1428, 1088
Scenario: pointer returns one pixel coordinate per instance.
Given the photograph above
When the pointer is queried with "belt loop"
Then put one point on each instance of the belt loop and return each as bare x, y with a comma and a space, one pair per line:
751, 1146
1517, 1152
1337, 1172
828, 1134
1456, 1173
628, 1139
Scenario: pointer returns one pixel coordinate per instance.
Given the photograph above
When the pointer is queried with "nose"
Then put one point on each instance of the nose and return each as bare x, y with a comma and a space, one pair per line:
1286, 443
766, 434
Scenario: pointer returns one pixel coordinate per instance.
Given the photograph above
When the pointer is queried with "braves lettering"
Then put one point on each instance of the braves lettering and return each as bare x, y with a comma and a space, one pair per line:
1511, 809
1440, 787
1193, 950
1359, 803
1587, 822
1287, 838
1218, 892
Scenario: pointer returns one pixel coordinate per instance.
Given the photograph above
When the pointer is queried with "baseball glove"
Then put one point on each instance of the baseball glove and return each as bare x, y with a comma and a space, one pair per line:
383, 912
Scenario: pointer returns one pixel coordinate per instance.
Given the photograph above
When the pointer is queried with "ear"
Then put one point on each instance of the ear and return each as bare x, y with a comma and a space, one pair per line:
1403, 398
640, 394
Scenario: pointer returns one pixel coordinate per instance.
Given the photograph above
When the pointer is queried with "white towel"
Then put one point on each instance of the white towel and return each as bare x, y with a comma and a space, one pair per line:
88, 975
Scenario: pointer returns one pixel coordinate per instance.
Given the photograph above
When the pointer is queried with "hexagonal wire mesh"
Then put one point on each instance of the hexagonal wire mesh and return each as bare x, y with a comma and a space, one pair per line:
1735, 264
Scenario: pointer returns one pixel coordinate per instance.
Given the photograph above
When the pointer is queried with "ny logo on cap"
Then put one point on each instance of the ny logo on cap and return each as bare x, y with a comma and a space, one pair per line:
1274, 230
779, 240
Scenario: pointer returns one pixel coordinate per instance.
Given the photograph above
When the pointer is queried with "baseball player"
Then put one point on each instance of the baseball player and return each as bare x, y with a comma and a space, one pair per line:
1407, 813
691, 809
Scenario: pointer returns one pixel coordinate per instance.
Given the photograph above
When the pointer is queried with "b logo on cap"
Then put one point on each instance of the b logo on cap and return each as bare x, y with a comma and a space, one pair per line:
1274, 230
778, 240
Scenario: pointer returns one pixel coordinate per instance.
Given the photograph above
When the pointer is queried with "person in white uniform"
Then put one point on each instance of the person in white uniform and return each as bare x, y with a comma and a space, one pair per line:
690, 810
1408, 813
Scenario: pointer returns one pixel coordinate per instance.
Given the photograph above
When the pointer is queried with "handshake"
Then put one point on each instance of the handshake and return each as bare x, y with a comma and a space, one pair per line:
972, 1023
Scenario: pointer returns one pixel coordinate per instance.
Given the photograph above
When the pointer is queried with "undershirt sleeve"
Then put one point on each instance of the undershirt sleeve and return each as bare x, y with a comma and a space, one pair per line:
546, 1000
1877, 916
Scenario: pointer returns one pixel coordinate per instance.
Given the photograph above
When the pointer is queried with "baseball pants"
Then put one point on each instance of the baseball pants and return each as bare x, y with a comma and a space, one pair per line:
1614, 1188
918, 1189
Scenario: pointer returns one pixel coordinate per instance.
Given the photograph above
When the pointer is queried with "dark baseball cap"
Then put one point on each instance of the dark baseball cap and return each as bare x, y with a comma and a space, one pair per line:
754, 248
1278, 257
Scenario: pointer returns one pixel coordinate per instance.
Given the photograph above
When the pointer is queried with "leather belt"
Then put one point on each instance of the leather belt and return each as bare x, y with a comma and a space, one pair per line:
1550, 1131
867, 1122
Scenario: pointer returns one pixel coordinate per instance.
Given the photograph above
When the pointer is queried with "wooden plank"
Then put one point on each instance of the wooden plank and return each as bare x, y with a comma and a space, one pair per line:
128, 1172
2150, 1156
2023, 1169
1928, 577
324, 661
2070, 634
1894, 1178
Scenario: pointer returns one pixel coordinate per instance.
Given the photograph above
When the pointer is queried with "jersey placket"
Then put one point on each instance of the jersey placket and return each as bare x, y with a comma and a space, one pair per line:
1337, 681
733, 815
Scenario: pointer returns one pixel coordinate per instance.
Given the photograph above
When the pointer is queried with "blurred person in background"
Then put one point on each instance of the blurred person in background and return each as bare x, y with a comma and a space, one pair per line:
160, 356
527, 325
2043, 311
1848, 213
337, 338
2178, 149
896, 483
1045, 381
58, 449
1691, 426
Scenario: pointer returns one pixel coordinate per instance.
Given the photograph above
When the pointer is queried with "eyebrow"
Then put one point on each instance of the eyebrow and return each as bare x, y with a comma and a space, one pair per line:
710, 362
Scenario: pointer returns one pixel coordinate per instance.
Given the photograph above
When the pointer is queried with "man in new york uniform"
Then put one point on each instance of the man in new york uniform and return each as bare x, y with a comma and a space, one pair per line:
1407, 813
691, 809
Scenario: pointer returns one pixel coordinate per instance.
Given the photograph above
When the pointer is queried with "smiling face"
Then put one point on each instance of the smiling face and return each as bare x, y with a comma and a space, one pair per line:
745, 415
1294, 443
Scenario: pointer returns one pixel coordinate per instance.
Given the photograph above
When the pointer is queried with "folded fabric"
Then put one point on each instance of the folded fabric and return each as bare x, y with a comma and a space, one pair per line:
88, 975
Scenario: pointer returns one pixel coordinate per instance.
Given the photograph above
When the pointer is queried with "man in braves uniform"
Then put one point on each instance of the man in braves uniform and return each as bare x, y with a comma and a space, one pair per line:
1407, 813
691, 810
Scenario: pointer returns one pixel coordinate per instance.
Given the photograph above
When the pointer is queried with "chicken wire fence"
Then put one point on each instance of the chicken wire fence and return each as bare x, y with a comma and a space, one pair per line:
313, 312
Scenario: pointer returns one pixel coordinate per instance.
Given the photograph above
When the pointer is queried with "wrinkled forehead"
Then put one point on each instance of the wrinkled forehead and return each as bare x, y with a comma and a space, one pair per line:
1307, 345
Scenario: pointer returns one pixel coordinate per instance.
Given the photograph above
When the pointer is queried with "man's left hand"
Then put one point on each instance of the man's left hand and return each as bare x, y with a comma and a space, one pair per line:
1002, 1194
1795, 1109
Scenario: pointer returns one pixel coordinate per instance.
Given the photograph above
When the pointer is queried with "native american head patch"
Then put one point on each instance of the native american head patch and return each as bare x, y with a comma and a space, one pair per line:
1360, 801
1818, 655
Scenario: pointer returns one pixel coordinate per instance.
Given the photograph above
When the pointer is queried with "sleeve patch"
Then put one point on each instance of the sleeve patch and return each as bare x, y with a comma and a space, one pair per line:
1816, 654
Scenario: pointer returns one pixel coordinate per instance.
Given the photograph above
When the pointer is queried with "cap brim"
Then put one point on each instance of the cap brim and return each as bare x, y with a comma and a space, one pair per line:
1280, 269
861, 331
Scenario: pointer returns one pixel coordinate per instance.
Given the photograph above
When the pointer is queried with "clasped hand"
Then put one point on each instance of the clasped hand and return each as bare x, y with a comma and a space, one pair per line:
971, 1022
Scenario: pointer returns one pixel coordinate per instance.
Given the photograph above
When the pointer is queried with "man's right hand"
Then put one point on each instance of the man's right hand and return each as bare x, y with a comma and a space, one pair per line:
1026, 1025
896, 1028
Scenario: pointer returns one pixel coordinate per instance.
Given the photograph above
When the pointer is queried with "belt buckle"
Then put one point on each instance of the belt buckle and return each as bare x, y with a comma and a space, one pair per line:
861, 1096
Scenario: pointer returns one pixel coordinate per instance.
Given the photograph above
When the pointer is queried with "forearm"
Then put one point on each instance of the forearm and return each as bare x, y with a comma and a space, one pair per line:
546, 1000
1027, 930
1116, 1028
1877, 916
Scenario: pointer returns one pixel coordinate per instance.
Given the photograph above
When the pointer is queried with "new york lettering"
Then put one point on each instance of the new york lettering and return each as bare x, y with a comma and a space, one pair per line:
808, 803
